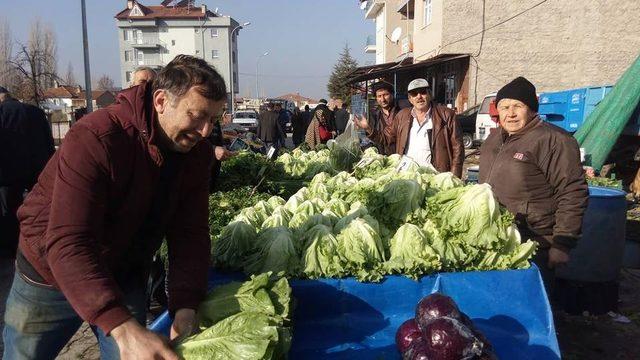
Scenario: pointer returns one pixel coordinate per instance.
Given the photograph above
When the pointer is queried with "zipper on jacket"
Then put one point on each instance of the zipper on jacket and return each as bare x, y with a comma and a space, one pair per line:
495, 159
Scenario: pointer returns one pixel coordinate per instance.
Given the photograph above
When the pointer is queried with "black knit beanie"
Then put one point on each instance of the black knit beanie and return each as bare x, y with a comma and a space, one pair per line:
519, 89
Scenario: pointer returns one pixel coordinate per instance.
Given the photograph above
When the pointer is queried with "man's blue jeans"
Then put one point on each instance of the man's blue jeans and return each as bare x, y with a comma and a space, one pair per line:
39, 321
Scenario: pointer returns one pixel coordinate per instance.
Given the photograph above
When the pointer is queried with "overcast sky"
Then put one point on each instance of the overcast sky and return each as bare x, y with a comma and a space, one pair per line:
303, 37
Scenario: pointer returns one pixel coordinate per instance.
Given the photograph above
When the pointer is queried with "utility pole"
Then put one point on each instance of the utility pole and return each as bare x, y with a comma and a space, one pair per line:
87, 70
231, 67
257, 75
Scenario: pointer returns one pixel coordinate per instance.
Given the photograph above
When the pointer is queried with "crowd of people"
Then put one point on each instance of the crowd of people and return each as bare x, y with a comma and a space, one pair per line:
310, 127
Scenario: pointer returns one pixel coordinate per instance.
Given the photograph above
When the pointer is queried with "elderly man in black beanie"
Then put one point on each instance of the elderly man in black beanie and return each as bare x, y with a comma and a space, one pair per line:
534, 169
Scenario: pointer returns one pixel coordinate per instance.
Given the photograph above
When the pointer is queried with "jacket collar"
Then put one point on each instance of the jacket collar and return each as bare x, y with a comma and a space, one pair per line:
137, 110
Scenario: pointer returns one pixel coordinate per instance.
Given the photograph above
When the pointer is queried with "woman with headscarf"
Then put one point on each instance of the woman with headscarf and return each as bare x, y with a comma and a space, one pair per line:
318, 131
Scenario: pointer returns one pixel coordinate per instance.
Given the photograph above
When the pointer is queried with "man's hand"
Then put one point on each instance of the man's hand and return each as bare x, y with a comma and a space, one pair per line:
557, 258
136, 342
222, 153
361, 122
226, 119
184, 323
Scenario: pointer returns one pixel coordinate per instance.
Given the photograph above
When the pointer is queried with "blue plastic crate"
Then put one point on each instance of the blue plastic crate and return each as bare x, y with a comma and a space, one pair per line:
564, 109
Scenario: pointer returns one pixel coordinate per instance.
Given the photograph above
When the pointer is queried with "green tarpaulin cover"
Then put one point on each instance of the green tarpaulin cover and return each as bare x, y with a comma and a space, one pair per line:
602, 128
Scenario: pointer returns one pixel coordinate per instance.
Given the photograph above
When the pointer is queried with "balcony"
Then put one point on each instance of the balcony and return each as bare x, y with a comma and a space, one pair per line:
407, 44
406, 9
147, 42
370, 47
154, 63
373, 8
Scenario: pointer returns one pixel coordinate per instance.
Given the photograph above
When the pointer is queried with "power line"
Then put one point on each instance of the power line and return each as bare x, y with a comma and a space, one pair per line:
286, 76
484, 23
495, 25
437, 51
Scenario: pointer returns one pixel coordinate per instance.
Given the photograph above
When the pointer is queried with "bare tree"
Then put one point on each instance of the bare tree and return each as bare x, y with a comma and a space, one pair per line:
8, 77
36, 62
105, 83
69, 78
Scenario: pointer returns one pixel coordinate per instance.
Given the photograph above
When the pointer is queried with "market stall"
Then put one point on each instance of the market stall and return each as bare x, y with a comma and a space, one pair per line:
364, 238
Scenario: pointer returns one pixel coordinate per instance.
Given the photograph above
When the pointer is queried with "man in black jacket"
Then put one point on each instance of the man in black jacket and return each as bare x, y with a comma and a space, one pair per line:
26, 144
342, 118
269, 129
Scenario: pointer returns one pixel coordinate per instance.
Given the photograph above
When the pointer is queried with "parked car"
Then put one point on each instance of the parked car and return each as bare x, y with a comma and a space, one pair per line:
467, 121
247, 119
484, 120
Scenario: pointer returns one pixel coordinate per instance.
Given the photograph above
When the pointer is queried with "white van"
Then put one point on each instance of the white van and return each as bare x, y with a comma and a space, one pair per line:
484, 123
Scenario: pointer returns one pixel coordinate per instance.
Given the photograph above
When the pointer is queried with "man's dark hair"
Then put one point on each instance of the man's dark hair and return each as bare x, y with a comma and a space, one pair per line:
184, 72
306, 108
270, 106
344, 105
381, 85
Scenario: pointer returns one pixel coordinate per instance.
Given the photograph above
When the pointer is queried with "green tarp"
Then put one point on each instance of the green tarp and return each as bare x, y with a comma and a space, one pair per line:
602, 128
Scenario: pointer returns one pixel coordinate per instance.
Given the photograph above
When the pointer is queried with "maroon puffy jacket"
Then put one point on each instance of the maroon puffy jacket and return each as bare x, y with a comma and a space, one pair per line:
81, 221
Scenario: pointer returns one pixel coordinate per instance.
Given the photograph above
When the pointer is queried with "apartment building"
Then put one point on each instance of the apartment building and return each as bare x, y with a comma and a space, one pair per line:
394, 26
153, 35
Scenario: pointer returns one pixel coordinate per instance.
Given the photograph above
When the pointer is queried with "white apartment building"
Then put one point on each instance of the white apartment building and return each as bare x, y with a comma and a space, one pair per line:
153, 35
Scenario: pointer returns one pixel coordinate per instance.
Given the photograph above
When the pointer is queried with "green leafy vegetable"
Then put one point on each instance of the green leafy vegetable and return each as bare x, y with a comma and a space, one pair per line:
411, 254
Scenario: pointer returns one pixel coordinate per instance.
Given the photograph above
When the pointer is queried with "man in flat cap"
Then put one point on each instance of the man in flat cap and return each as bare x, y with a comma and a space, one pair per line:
534, 169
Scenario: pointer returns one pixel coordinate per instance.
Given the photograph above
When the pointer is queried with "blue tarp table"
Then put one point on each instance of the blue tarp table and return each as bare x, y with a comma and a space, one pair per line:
347, 319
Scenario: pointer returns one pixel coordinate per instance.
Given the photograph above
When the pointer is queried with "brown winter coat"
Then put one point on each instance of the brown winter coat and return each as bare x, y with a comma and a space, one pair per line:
537, 175
447, 149
380, 125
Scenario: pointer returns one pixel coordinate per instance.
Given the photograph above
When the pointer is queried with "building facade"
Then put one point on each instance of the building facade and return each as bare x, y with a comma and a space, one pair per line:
153, 35
393, 18
470, 48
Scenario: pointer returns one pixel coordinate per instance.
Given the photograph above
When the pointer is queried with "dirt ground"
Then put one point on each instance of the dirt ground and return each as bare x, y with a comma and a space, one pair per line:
581, 337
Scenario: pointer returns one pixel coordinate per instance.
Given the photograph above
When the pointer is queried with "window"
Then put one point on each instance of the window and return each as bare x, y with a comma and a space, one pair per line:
450, 90
214, 32
128, 55
125, 34
484, 108
127, 76
215, 54
428, 11
173, 43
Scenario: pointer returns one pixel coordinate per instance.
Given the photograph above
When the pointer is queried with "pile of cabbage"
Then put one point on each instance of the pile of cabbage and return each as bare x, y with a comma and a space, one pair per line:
373, 222
306, 164
249, 320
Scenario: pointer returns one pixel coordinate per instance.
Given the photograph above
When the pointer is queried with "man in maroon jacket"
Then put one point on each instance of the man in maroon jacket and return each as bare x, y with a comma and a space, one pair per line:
124, 178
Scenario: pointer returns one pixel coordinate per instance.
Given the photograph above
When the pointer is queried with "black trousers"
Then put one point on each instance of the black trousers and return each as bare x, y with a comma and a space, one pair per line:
541, 259
10, 200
